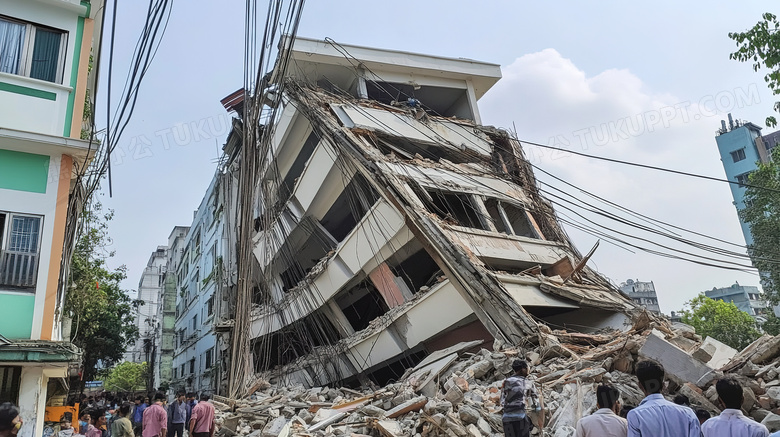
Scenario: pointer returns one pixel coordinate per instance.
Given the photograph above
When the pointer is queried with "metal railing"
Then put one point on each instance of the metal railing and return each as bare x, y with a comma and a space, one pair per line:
18, 269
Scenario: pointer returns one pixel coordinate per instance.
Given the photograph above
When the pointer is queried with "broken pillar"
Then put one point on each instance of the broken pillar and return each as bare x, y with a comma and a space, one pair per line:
680, 367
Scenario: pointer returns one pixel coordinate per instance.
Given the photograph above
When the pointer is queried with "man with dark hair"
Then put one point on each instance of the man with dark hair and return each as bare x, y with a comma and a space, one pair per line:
122, 426
655, 416
155, 418
138, 415
731, 422
604, 422
516, 392
10, 421
683, 400
178, 411
202, 423
191, 402
702, 414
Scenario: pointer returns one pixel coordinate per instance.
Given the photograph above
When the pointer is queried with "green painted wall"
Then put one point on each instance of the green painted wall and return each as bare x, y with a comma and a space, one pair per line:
23, 171
16, 316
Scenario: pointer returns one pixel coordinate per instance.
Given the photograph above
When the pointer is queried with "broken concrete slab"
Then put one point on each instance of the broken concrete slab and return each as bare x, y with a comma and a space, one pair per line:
415, 404
714, 353
679, 365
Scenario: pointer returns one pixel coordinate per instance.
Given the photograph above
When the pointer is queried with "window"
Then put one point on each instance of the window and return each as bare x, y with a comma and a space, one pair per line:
192, 365
742, 179
181, 370
31, 50
174, 373
209, 358
210, 306
10, 377
738, 155
19, 245
194, 323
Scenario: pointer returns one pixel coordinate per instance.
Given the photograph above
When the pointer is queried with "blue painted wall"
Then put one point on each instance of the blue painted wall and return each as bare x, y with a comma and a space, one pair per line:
743, 137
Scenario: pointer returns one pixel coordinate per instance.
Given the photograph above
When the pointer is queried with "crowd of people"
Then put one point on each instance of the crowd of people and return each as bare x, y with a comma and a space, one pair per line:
653, 417
108, 416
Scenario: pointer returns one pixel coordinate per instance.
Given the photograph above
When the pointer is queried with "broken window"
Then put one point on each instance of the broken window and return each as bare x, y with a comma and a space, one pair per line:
349, 208
509, 219
296, 170
296, 340
436, 100
417, 270
302, 250
455, 208
361, 305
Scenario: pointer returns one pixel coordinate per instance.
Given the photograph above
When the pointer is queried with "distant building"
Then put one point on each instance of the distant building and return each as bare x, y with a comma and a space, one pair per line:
642, 293
149, 312
741, 146
746, 298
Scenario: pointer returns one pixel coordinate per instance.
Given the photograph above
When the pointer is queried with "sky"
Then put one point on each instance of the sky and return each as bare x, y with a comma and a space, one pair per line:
644, 82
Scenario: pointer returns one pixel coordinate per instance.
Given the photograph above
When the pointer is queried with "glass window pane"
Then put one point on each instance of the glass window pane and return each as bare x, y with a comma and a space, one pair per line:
24, 234
46, 53
11, 46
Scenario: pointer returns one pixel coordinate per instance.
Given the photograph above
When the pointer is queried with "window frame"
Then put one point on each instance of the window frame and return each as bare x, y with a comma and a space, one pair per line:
735, 155
5, 240
26, 57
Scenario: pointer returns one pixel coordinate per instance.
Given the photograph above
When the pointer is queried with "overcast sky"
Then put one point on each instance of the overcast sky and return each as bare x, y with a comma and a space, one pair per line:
644, 82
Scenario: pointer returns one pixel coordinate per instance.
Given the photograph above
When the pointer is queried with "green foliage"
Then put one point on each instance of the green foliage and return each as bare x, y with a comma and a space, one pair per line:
126, 376
761, 46
772, 324
720, 320
103, 315
762, 214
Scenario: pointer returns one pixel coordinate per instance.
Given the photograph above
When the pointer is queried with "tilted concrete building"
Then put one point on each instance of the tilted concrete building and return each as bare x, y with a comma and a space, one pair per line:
390, 223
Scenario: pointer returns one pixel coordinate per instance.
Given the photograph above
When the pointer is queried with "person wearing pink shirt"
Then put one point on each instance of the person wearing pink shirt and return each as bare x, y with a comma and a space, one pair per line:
155, 421
202, 420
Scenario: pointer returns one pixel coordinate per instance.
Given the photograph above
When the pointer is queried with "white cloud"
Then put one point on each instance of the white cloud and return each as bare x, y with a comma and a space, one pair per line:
614, 114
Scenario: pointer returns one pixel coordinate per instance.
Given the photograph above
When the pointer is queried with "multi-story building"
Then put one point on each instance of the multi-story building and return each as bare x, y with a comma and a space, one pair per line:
642, 293
741, 147
149, 315
390, 223
747, 298
45, 51
198, 270
163, 369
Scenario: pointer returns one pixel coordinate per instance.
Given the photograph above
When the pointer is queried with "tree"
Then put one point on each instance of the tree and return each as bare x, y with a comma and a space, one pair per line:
761, 46
772, 324
720, 320
762, 214
126, 377
102, 313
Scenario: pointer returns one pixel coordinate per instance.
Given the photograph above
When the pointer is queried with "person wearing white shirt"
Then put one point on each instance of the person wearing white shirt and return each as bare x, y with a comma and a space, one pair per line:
731, 422
604, 422
655, 416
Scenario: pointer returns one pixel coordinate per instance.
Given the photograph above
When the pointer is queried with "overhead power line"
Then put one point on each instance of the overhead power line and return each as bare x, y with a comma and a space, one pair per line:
647, 166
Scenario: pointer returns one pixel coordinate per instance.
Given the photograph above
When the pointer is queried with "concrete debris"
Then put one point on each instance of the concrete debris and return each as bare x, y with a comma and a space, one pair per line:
457, 394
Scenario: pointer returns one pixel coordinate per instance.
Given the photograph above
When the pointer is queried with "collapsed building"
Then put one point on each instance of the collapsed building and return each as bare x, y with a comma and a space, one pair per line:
390, 223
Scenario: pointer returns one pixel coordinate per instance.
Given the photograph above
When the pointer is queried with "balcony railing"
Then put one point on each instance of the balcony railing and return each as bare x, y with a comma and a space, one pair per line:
18, 269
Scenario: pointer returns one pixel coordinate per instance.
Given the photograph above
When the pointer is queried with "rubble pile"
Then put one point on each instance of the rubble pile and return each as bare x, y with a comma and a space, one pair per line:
456, 392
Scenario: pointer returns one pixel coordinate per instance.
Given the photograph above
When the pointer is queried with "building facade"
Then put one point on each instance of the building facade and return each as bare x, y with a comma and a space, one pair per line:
747, 298
389, 223
642, 293
741, 147
198, 273
149, 316
44, 86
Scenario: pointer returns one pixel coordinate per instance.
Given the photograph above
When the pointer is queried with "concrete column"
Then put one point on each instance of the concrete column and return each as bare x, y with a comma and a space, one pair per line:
32, 401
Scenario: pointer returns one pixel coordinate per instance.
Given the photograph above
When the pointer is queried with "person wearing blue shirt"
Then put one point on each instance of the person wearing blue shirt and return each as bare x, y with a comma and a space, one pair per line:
138, 415
655, 416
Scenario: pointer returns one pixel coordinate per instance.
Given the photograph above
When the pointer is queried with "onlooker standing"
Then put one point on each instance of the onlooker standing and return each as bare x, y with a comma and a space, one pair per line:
191, 402
122, 426
731, 422
605, 422
515, 393
93, 421
655, 416
202, 422
178, 412
138, 415
155, 421
85, 421
10, 421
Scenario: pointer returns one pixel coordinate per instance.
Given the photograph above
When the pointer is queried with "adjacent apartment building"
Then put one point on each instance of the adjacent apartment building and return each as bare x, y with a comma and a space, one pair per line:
741, 146
390, 223
642, 293
45, 53
746, 297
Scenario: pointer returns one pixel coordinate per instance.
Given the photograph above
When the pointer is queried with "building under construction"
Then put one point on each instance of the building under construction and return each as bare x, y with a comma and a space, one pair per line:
388, 223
